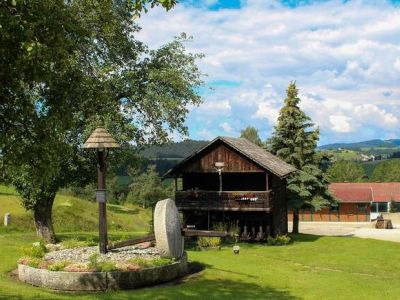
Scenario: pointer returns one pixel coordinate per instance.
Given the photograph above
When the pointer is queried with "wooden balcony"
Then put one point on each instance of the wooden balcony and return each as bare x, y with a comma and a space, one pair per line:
226, 200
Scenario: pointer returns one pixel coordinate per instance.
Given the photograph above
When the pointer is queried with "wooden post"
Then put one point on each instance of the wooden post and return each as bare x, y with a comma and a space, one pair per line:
208, 220
266, 182
176, 184
101, 185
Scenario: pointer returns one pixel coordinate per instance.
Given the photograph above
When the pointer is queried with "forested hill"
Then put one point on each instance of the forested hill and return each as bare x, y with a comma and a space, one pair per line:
394, 143
174, 151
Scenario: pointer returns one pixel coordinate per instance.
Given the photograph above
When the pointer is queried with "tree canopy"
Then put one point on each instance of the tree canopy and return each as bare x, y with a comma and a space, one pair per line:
251, 133
295, 141
346, 171
66, 67
387, 171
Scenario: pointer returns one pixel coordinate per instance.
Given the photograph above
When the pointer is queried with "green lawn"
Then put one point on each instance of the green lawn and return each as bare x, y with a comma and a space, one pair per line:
71, 214
310, 268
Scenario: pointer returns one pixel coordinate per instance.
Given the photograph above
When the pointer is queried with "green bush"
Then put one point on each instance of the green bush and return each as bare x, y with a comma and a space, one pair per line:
206, 242
37, 250
280, 240
59, 266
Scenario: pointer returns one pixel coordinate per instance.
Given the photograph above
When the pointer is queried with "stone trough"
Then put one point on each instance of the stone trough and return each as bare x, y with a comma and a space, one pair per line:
169, 243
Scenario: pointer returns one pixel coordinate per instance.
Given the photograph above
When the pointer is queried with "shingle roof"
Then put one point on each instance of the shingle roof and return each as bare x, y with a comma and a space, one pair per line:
366, 191
250, 150
100, 138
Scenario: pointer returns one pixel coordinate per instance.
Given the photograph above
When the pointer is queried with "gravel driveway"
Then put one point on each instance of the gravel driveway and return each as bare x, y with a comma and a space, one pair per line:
359, 229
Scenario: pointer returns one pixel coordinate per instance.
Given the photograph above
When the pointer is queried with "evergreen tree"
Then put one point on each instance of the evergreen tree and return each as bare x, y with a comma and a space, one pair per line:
251, 133
295, 141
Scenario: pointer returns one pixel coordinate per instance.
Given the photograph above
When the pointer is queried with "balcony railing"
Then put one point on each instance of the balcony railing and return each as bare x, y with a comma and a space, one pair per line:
226, 200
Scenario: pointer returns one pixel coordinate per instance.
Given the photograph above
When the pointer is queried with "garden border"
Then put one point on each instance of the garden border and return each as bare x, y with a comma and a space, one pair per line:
101, 281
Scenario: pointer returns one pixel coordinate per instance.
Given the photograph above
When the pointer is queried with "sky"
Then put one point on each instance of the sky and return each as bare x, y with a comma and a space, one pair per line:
343, 55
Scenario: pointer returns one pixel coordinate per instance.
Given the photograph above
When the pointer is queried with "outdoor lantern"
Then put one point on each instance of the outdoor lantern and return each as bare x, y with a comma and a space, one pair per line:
101, 140
219, 165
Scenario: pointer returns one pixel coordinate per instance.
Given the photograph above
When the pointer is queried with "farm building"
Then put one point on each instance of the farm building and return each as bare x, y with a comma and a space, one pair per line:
233, 181
357, 202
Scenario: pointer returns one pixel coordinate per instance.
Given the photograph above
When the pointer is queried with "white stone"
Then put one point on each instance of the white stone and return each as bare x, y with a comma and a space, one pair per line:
7, 219
167, 229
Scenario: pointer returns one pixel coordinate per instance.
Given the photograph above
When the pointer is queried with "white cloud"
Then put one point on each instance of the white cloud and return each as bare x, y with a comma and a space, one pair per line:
226, 127
343, 55
341, 123
215, 107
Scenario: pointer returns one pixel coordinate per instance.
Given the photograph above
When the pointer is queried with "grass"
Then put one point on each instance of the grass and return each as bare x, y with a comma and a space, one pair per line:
311, 267
71, 214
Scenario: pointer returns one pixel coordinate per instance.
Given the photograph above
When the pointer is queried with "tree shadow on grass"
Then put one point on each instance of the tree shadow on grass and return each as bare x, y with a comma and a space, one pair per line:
301, 237
205, 289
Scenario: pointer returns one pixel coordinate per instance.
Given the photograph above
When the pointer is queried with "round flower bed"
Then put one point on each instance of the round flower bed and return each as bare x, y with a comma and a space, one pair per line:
83, 269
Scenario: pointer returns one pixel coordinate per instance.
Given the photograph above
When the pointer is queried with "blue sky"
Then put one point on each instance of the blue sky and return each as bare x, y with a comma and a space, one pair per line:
344, 56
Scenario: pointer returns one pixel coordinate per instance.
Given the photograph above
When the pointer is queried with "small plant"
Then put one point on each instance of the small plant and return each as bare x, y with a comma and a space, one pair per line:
149, 263
30, 261
107, 266
280, 240
59, 266
141, 262
94, 261
37, 250
208, 242
159, 262
100, 266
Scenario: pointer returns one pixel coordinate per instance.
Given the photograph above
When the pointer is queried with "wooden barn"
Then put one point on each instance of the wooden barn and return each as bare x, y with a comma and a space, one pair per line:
233, 181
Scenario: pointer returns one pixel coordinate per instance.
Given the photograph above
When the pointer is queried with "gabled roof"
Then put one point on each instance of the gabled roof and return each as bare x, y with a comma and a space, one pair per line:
366, 191
251, 151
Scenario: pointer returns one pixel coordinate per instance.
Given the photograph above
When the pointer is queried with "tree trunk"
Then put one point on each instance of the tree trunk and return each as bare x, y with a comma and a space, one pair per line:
43, 221
295, 228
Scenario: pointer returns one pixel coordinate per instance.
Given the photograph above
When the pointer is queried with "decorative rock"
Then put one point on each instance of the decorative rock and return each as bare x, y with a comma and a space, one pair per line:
167, 229
7, 219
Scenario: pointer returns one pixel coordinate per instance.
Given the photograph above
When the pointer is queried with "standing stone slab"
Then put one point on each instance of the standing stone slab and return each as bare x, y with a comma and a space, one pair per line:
7, 219
167, 229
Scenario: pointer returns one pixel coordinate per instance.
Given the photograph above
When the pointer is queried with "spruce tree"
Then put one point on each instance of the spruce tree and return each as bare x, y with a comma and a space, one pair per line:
295, 141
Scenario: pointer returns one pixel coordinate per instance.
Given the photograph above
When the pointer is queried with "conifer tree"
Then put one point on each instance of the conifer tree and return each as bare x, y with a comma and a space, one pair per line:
295, 141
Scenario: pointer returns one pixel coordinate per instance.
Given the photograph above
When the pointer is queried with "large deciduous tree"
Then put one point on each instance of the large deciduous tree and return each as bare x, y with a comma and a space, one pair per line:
346, 171
387, 171
295, 141
65, 66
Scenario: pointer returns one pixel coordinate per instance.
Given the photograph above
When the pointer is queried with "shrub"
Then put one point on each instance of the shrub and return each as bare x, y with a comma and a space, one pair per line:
59, 266
206, 242
279, 240
37, 250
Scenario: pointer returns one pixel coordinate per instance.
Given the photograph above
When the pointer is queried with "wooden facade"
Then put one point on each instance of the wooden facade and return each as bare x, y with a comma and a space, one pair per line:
247, 192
